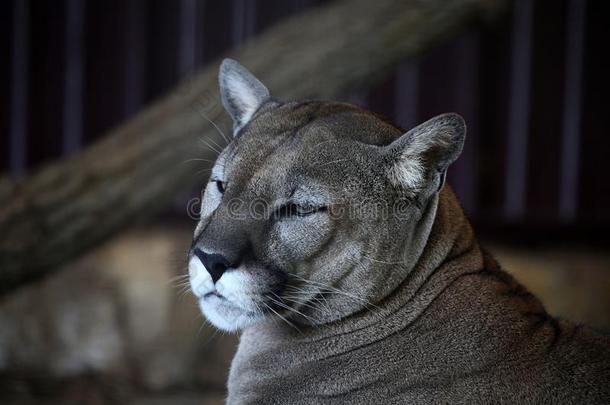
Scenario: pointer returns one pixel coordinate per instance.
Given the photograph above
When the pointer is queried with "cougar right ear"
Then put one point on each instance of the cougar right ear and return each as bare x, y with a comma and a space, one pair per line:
242, 93
424, 153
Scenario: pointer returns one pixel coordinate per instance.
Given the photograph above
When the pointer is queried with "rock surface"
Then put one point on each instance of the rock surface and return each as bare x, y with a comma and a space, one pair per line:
117, 321
115, 326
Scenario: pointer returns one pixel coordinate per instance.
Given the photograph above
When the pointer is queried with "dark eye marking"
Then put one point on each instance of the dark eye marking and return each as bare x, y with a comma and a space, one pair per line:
220, 185
292, 210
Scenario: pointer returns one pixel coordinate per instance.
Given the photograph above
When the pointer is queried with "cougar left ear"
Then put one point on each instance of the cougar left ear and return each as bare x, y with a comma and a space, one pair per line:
242, 93
423, 154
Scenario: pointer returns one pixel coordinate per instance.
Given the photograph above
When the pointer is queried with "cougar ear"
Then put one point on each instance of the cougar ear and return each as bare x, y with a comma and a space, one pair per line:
242, 93
423, 154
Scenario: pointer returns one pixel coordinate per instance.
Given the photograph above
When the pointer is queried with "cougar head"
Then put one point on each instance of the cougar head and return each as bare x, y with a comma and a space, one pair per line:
313, 211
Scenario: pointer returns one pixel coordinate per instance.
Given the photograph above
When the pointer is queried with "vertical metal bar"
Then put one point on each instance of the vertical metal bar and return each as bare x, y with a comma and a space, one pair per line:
519, 110
250, 18
467, 62
406, 91
568, 192
244, 20
135, 45
73, 81
187, 37
238, 18
199, 51
19, 88
187, 60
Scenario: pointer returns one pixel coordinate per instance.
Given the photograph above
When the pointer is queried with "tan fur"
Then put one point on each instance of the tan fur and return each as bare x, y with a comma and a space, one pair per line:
384, 296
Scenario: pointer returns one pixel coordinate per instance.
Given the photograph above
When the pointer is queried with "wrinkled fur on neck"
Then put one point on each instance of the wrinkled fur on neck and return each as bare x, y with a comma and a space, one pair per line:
457, 329
441, 233
398, 309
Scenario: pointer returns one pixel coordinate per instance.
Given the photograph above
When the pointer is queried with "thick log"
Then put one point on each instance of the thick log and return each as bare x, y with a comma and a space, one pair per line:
70, 206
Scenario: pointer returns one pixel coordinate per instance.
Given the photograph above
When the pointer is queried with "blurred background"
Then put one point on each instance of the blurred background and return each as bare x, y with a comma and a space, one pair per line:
114, 325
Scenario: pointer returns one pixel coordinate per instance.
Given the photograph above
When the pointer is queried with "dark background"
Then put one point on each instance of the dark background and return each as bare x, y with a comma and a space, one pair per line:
533, 90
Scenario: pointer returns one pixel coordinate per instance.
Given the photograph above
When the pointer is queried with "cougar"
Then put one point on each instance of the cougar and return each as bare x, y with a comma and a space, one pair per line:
329, 239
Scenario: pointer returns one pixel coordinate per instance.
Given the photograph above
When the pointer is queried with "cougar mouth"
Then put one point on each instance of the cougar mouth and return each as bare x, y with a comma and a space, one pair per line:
214, 293
241, 296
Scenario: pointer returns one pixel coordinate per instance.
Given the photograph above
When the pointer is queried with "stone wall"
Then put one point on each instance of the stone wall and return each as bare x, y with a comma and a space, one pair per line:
113, 326
116, 327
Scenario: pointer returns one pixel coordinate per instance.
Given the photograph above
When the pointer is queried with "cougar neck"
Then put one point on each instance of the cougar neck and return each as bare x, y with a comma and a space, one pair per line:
449, 251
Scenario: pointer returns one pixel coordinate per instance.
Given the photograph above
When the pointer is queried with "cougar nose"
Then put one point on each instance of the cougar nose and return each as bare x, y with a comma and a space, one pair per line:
214, 263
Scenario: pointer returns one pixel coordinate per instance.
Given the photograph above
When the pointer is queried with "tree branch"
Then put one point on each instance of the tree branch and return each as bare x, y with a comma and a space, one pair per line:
67, 207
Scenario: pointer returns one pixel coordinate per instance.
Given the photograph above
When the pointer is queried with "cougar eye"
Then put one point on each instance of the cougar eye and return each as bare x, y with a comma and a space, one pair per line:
220, 186
296, 210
